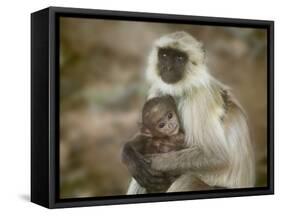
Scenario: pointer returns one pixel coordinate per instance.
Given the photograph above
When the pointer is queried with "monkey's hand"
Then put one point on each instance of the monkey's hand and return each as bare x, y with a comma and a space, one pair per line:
140, 168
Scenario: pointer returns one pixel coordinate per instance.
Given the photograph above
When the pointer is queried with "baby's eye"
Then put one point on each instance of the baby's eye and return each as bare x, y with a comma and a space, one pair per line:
164, 54
170, 115
161, 125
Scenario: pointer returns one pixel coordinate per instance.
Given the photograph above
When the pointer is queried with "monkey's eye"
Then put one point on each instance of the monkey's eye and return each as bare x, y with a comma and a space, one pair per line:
161, 125
170, 115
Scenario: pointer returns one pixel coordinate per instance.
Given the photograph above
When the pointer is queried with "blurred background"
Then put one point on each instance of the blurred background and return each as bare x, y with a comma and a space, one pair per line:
102, 90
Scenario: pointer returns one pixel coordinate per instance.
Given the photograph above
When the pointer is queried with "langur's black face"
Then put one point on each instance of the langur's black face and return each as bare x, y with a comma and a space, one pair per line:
171, 64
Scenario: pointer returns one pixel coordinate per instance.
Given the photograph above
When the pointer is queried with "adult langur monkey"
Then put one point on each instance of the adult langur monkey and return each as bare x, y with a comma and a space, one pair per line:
218, 149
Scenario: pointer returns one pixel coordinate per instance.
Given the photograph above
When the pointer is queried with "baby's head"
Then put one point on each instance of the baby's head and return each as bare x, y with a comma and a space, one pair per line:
159, 116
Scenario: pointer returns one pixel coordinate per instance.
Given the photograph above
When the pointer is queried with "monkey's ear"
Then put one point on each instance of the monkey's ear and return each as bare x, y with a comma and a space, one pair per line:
203, 48
145, 131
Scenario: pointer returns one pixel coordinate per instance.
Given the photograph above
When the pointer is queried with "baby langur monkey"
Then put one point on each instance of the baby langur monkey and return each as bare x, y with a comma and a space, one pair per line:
161, 125
160, 133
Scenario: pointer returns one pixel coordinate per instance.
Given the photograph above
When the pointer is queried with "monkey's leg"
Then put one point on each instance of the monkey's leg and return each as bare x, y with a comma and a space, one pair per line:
188, 182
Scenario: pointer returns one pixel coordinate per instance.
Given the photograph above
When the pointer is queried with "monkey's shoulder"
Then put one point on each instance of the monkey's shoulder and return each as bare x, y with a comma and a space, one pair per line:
231, 106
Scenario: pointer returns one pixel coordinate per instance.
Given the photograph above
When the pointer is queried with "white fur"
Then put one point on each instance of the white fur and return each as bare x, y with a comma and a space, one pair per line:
201, 109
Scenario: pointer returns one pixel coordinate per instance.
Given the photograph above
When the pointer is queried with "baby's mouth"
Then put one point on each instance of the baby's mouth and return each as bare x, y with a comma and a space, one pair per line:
175, 130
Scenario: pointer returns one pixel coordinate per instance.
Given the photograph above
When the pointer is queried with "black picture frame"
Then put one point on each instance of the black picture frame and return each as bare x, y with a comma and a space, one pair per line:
45, 106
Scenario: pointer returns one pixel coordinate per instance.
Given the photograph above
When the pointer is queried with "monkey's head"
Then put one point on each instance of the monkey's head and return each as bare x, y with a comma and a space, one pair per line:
175, 59
160, 117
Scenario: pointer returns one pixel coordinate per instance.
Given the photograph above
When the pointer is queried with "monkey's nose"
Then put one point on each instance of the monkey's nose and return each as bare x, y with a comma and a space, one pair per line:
169, 68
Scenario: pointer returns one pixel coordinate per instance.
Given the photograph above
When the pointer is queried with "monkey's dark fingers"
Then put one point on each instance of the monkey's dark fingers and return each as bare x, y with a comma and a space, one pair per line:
158, 188
146, 160
160, 182
158, 179
162, 186
140, 181
146, 178
143, 159
171, 177
143, 180
156, 173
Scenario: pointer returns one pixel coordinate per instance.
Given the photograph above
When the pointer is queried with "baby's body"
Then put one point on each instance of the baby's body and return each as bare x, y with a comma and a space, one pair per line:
160, 132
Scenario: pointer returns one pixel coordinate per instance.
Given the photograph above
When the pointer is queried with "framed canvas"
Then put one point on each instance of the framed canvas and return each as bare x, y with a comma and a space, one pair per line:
139, 107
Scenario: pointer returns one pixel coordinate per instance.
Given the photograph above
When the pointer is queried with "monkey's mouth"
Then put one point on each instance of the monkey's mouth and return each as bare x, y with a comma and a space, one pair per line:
170, 77
175, 130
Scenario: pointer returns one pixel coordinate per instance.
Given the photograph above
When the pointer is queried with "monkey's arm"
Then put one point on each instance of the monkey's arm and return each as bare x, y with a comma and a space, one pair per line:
132, 151
192, 158
140, 167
